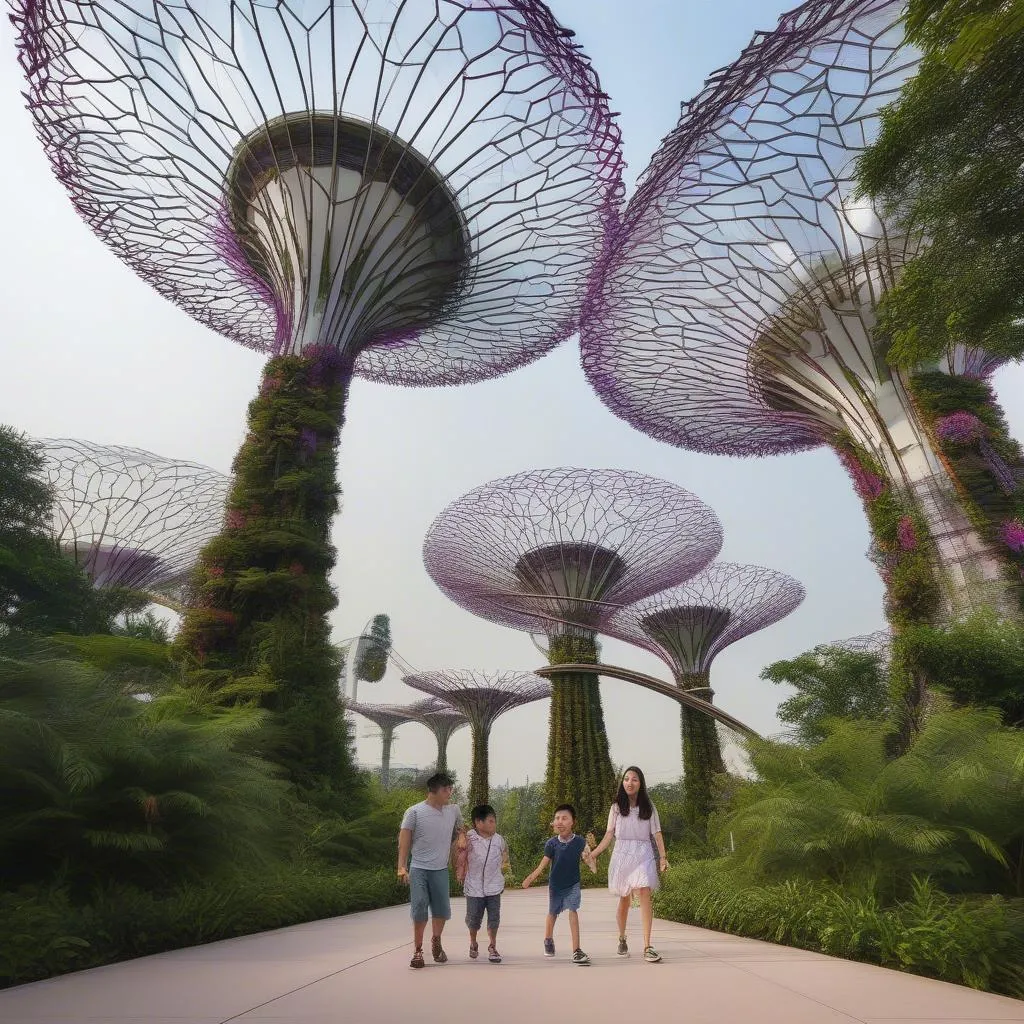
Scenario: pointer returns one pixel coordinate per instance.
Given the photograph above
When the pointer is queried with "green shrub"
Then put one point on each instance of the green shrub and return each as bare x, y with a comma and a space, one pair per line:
844, 812
46, 933
974, 941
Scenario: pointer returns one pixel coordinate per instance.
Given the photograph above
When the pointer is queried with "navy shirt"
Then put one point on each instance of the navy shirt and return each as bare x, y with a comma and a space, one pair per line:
565, 862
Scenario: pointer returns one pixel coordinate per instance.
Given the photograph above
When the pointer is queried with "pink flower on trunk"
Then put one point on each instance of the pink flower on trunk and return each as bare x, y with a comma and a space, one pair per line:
235, 519
868, 485
906, 534
1012, 534
960, 428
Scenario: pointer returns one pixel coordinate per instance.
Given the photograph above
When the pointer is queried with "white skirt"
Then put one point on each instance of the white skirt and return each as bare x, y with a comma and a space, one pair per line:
632, 867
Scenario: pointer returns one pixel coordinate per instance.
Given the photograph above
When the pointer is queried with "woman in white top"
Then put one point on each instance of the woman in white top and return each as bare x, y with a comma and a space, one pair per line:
634, 825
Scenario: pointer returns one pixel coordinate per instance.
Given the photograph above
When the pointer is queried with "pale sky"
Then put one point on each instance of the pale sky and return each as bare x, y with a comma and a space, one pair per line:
89, 351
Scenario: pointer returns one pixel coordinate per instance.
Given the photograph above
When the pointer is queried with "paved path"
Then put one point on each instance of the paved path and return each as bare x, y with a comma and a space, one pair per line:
354, 970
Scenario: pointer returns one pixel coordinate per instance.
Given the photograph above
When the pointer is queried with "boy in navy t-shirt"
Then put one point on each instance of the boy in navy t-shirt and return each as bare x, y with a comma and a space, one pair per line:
563, 851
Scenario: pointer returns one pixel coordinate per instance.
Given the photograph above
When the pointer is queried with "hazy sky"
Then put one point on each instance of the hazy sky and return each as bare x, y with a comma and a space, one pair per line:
90, 351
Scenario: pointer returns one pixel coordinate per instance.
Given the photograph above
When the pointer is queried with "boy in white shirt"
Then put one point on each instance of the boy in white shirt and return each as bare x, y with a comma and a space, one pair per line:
485, 881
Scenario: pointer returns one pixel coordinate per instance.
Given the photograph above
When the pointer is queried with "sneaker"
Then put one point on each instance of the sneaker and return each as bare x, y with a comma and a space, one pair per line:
439, 955
651, 955
549, 947
623, 948
474, 951
417, 959
580, 958
493, 955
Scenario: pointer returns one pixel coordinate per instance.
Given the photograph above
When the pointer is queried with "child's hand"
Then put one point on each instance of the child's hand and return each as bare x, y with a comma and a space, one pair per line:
591, 840
591, 861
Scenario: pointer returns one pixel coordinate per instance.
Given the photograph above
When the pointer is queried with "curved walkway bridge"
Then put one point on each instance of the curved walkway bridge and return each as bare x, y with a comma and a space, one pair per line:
355, 970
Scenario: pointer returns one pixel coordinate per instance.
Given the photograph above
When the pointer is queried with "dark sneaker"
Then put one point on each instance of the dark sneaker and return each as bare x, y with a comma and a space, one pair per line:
549, 947
474, 951
580, 958
623, 948
493, 955
417, 959
439, 955
651, 955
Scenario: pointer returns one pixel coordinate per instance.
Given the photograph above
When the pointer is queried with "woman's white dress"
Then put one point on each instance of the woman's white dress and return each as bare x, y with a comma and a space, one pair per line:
633, 864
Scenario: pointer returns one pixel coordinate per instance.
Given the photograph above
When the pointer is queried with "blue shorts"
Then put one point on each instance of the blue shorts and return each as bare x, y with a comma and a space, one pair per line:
565, 899
428, 890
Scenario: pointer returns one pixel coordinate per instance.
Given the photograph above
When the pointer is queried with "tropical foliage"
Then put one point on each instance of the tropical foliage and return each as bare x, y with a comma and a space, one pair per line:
947, 165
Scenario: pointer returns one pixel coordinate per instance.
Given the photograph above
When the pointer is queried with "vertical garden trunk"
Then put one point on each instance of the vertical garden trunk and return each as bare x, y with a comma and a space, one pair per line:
387, 736
702, 754
579, 769
258, 627
479, 784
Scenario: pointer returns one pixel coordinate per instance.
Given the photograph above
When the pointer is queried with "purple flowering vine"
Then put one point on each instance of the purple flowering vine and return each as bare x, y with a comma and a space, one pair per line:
868, 485
906, 534
960, 428
1012, 534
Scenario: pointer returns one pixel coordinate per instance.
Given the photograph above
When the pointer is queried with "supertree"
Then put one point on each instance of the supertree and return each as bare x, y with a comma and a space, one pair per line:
737, 300
560, 551
131, 518
387, 717
409, 192
443, 721
688, 627
482, 697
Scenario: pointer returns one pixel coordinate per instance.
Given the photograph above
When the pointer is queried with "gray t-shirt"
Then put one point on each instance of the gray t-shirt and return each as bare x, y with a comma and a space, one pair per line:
433, 829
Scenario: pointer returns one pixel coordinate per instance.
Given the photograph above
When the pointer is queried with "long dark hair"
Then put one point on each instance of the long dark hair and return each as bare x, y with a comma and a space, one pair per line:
643, 801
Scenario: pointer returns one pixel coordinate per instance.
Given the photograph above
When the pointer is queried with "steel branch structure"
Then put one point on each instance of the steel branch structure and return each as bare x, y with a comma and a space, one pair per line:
560, 551
738, 299
687, 627
420, 186
482, 697
443, 721
387, 717
131, 518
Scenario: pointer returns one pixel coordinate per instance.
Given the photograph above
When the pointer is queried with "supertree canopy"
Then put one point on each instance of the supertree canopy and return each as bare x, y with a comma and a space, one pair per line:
560, 551
131, 518
387, 717
687, 627
482, 697
413, 192
739, 296
442, 720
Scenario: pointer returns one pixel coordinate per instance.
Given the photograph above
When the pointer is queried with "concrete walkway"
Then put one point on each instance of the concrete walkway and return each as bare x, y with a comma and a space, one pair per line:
355, 970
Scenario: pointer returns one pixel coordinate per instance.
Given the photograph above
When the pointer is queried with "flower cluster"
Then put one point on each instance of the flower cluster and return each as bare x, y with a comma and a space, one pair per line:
868, 485
906, 534
1012, 534
960, 428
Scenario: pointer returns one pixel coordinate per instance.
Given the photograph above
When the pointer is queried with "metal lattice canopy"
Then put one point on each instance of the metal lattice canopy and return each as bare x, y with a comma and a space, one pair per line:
387, 717
424, 183
481, 696
744, 277
689, 625
739, 296
438, 715
562, 549
131, 518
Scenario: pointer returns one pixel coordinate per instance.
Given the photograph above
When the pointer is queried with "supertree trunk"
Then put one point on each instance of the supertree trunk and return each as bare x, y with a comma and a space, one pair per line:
702, 754
259, 630
579, 768
387, 738
479, 782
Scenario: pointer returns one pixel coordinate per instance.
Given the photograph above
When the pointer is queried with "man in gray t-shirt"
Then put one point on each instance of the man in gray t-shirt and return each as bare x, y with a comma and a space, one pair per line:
428, 833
